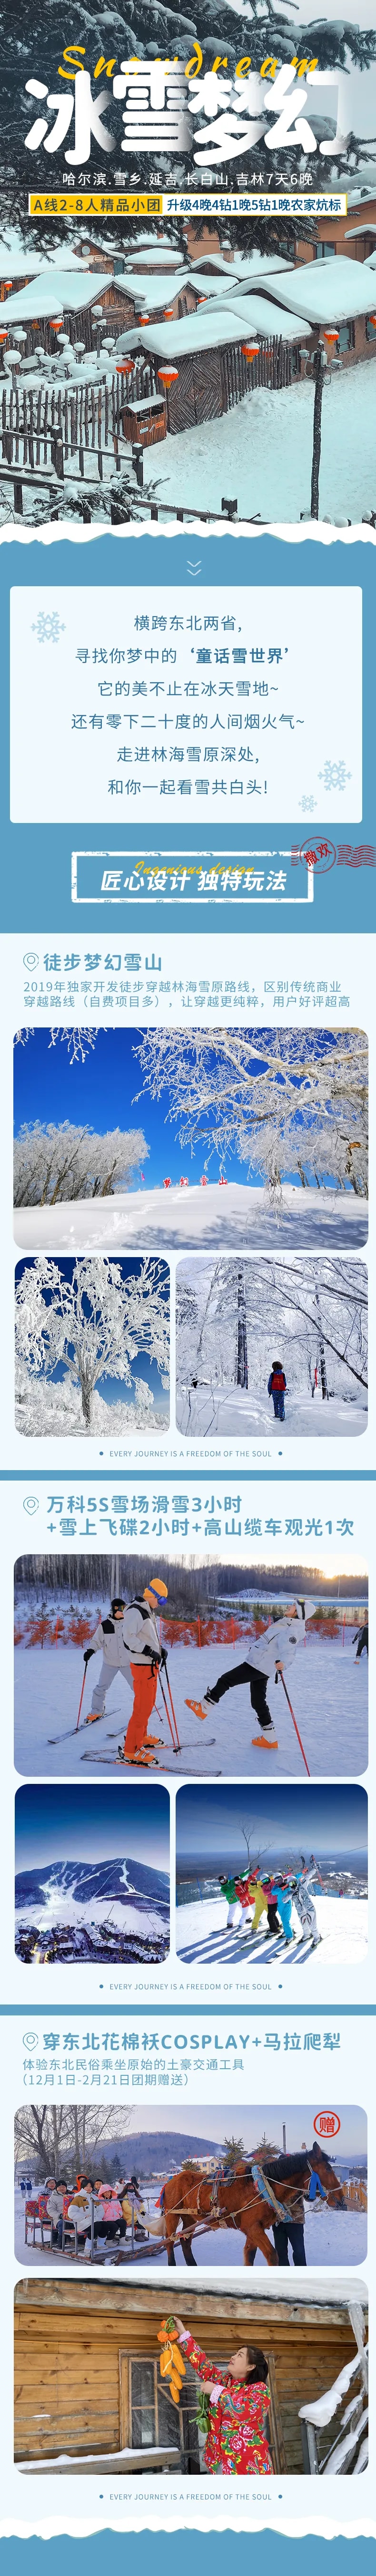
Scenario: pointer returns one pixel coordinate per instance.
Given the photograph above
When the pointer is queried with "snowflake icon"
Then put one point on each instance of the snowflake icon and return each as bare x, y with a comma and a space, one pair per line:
334, 774
48, 626
308, 804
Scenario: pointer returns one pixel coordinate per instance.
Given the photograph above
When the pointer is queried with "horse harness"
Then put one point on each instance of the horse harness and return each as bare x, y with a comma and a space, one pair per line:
264, 2191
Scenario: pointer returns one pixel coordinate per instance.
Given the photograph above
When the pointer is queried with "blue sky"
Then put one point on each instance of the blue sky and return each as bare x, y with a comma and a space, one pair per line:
92, 1824
216, 2121
113, 1389
332, 1822
100, 1094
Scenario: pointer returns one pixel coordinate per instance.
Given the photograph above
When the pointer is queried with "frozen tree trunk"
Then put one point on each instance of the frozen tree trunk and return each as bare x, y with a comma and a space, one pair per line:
316, 451
323, 1375
242, 1358
86, 1395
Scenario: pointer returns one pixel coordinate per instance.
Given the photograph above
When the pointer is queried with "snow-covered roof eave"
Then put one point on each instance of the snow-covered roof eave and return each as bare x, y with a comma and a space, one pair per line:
366, 227
51, 292
326, 293
199, 331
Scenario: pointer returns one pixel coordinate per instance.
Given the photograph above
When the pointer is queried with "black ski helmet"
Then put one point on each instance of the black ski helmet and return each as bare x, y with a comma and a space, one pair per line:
276, 1364
117, 1603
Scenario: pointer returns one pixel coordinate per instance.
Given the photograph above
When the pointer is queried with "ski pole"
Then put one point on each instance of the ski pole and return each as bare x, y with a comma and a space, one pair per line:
172, 1706
82, 1694
294, 1724
175, 1747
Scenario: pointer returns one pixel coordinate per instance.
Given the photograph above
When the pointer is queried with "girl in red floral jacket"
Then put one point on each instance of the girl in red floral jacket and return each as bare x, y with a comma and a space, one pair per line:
236, 2444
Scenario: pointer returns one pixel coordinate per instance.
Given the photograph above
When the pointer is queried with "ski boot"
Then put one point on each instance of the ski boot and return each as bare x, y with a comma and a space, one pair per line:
198, 1711
269, 1742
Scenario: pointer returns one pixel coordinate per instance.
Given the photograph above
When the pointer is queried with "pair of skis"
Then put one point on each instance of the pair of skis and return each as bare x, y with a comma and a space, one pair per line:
73, 1730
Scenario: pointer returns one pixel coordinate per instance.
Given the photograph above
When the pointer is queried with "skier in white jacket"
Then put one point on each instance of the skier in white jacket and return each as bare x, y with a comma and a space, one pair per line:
270, 1655
131, 1646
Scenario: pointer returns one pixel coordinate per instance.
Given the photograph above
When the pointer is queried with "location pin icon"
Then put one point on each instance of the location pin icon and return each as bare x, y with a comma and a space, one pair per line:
31, 1503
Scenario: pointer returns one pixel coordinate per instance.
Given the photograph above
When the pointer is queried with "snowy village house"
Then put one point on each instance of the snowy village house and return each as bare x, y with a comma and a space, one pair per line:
87, 2378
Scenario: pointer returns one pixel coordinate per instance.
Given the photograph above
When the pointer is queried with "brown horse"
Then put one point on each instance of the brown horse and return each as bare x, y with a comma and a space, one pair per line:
237, 2200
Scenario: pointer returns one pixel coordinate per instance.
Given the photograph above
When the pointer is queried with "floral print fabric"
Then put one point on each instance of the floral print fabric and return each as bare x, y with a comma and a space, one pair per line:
236, 2444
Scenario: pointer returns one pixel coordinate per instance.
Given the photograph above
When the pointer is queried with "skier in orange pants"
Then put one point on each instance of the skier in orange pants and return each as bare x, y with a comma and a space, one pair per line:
145, 1682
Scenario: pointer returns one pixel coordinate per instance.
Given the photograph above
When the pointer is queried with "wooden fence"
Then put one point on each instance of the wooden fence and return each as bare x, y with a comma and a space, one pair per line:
77, 419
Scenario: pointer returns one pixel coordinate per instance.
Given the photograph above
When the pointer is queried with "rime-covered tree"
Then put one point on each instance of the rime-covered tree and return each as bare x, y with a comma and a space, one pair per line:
314, 1314
79, 1042
93, 1318
54, 1163
283, 1101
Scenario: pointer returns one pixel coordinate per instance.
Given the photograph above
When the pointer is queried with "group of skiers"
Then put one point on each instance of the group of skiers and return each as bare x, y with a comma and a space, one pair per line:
130, 1644
257, 1892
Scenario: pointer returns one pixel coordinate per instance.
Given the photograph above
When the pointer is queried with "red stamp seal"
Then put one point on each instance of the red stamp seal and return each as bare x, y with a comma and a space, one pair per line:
327, 2124
319, 855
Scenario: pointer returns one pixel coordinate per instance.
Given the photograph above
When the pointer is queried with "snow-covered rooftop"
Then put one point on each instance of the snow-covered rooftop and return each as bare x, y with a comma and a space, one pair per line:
155, 290
57, 290
211, 328
161, 256
216, 261
326, 291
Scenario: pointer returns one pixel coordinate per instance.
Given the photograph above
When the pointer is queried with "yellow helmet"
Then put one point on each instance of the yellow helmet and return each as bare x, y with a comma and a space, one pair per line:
155, 1591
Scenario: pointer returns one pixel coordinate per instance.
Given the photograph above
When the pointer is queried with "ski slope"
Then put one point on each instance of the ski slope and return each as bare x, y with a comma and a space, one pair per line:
211, 1217
201, 1937
327, 1687
331, 2236
232, 1413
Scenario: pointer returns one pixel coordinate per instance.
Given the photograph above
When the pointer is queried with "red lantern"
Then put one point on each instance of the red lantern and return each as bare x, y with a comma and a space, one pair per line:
168, 375
331, 336
372, 318
145, 319
168, 313
124, 366
55, 326
250, 349
3, 335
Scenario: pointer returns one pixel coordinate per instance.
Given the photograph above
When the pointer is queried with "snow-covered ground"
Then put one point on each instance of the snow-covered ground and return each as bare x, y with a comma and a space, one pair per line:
342, 1922
261, 453
331, 2236
214, 1216
329, 1694
233, 1412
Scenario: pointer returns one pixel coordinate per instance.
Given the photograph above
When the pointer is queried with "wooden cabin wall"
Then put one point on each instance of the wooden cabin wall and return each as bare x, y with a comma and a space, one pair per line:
215, 380
69, 2338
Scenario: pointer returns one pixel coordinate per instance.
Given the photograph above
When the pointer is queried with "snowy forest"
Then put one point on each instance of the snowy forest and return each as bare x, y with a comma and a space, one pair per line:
53, 1163
221, 27
236, 1322
286, 1108
80, 1324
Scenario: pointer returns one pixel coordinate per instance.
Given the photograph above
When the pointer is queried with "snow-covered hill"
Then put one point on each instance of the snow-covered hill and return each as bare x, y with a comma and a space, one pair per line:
223, 1218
